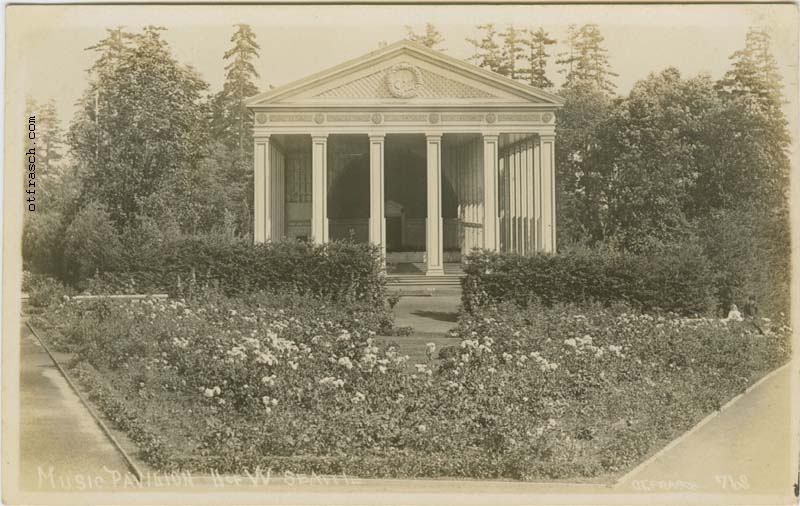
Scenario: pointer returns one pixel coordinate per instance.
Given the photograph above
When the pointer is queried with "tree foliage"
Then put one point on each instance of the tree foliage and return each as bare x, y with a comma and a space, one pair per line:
232, 123
538, 58
488, 50
431, 37
139, 122
585, 63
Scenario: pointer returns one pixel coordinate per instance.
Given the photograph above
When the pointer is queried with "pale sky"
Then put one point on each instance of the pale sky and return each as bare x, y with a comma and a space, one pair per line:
46, 56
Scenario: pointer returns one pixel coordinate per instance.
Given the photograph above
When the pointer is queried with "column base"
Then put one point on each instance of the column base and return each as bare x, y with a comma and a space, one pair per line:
434, 271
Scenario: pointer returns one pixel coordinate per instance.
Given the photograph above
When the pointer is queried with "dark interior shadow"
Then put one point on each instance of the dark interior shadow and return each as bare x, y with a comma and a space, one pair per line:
441, 316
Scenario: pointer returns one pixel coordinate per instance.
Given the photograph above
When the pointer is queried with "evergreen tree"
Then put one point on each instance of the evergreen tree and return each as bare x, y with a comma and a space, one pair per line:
537, 43
754, 71
431, 38
49, 136
585, 64
513, 52
488, 52
232, 122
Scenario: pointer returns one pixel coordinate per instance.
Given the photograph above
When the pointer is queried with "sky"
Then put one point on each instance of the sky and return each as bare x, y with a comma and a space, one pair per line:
46, 56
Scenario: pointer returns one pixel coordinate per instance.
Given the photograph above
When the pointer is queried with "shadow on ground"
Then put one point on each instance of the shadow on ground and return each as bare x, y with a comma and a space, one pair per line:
441, 316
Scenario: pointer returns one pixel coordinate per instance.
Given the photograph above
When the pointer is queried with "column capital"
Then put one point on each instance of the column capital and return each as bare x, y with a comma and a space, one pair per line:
433, 136
548, 137
491, 137
377, 137
318, 137
261, 137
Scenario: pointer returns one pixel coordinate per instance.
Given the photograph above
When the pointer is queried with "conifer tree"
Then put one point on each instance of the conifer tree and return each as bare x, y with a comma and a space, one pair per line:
432, 38
232, 124
537, 43
488, 52
754, 71
586, 64
513, 52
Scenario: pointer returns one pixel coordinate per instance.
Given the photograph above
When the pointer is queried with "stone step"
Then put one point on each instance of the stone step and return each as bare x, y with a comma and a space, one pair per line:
427, 282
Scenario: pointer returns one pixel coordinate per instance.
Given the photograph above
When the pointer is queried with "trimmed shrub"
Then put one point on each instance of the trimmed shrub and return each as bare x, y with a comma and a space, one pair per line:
338, 270
674, 278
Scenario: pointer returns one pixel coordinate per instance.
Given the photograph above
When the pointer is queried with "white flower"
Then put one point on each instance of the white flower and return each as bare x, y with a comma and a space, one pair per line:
345, 362
570, 342
359, 397
422, 428
382, 369
268, 380
431, 347
208, 392
492, 370
293, 365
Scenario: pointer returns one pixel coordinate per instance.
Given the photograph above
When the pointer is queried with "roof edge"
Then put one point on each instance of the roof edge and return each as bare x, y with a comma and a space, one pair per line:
555, 100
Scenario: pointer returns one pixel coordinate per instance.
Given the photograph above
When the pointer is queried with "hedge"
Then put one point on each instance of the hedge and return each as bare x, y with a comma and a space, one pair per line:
677, 279
340, 270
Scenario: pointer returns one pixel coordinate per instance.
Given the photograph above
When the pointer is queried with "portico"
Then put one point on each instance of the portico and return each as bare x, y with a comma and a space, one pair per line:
421, 154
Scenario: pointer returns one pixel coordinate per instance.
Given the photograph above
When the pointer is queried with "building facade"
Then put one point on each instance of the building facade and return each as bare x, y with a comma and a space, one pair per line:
422, 154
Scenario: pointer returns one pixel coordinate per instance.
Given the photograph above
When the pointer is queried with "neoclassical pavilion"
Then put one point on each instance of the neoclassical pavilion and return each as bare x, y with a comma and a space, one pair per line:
423, 154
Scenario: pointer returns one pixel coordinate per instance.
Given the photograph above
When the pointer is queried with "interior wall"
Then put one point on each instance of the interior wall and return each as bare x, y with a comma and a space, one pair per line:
348, 187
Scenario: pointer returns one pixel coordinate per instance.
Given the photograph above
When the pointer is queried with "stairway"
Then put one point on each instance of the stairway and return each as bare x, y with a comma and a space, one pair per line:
422, 285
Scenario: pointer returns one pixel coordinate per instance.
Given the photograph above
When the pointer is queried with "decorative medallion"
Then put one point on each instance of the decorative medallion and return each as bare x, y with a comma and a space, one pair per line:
434, 117
319, 118
547, 117
491, 117
403, 80
261, 118
377, 118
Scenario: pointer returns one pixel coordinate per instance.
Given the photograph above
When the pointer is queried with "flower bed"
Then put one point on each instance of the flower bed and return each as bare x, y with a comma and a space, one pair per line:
300, 385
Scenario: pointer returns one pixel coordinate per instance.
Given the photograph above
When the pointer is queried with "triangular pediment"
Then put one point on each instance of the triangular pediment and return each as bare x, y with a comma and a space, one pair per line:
405, 73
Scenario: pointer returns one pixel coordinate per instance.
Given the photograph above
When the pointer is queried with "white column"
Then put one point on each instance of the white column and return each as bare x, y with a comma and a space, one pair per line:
537, 198
261, 178
491, 239
529, 198
319, 188
547, 193
433, 237
377, 219
276, 194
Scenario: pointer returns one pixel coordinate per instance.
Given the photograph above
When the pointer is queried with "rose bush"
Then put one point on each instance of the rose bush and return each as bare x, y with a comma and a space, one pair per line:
300, 384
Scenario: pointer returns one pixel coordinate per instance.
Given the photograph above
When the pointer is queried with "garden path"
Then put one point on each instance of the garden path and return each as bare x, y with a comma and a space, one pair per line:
55, 428
428, 315
431, 318
745, 449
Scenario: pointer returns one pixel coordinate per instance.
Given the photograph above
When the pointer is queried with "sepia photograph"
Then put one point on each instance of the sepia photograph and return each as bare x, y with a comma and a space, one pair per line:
346, 254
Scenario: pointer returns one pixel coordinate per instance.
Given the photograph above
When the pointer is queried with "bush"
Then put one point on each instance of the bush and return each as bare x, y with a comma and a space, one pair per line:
42, 242
750, 248
295, 383
43, 291
674, 278
338, 270
91, 244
